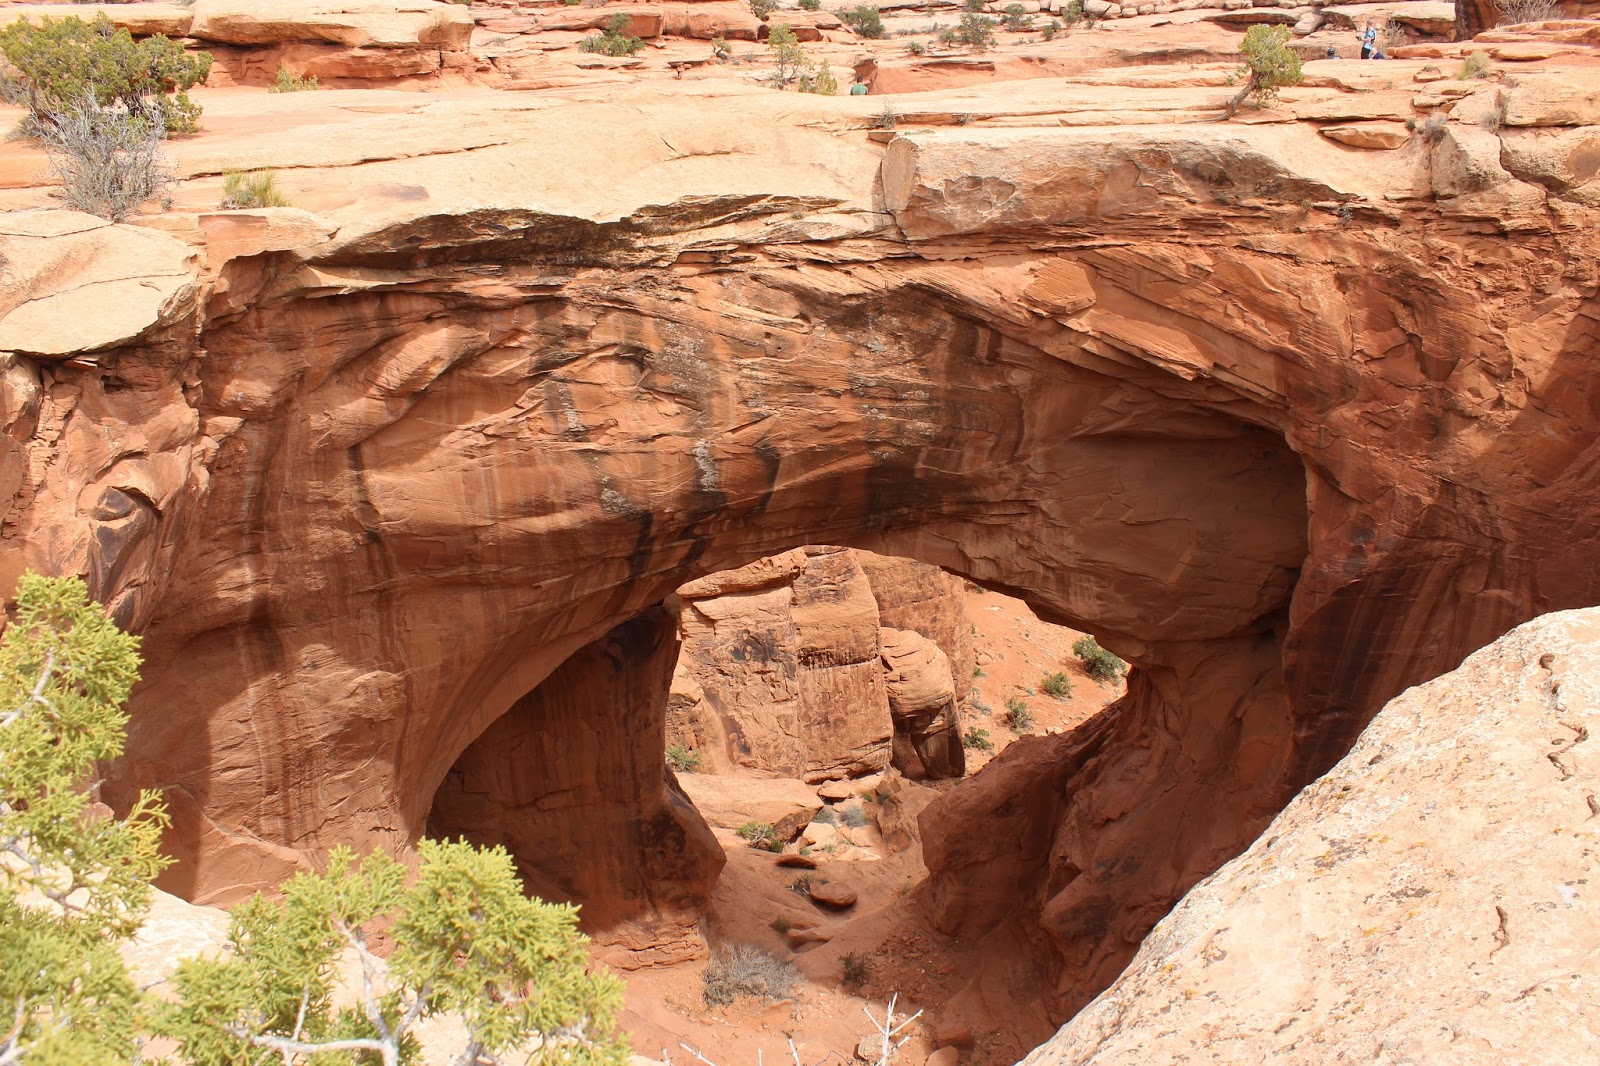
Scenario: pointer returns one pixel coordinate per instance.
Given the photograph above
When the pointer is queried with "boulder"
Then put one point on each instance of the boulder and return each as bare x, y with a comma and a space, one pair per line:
927, 740
1466, 159
1566, 99
729, 802
835, 894
1378, 135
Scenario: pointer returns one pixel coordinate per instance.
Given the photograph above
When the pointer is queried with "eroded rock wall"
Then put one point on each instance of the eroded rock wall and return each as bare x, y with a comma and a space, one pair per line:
786, 666
1286, 431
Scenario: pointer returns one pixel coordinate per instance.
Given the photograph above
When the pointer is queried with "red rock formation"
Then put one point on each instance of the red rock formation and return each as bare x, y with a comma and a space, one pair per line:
1287, 424
784, 666
570, 781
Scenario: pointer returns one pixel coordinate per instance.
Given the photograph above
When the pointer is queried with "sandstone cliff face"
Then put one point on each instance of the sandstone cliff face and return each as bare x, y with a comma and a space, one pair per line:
1429, 900
787, 668
1284, 424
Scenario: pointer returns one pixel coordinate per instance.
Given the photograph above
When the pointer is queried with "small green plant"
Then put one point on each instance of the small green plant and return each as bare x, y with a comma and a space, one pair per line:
1473, 65
466, 940
1098, 663
866, 20
977, 671
76, 885
855, 817
54, 66
721, 51
975, 6
682, 760
1271, 64
975, 32
1049, 30
1057, 685
614, 40
810, 5
286, 82
251, 188
978, 739
915, 48
1016, 18
1071, 13
746, 970
758, 834
781, 925
763, 8
801, 885
820, 82
789, 58
852, 970
1018, 716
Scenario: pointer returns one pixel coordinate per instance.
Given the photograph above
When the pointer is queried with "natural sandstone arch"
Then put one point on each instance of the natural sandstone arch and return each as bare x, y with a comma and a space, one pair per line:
384, 482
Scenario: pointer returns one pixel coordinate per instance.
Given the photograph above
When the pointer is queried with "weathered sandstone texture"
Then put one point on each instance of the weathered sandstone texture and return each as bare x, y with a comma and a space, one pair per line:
1430, 899
1289, 425
787, 667
570, 780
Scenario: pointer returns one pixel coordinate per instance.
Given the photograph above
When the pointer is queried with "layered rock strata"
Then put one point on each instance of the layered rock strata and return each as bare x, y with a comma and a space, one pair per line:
1289, 425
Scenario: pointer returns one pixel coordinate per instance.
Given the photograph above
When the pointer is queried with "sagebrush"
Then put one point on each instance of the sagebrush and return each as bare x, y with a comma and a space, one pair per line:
1098, 663
746, 970
109, 162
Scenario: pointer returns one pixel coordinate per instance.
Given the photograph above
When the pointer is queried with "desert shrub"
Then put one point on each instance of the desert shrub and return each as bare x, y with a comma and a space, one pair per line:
746, 970
466, 940
78, 884
1016, 18
915, 48
1018, 716
1098, 663
1270, 62
1473, 65
826, 816
855, 817
286, 82
788, 57
758, 834
781, 925
721, 51
109, 162
614, 40
801, 885
810, 5
978, 739
975, 32
1513, 12
763, 8
251, 188
975, 6
52, 67
820, 82
852, 970
1071, 13
865, 20
682, 760
1049, 30
1057, 685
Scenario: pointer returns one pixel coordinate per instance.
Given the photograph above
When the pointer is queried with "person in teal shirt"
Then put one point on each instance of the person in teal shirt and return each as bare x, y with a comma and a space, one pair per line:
858, 89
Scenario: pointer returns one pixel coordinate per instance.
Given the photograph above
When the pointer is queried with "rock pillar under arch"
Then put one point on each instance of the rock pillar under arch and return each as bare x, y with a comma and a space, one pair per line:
572, 781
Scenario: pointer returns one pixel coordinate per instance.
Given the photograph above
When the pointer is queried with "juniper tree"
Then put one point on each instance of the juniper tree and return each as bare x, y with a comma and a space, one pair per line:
74, 881
466, 941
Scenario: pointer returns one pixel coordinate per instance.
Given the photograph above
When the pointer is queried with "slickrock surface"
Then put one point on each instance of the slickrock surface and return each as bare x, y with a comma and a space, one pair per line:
1431, 899
1289, 424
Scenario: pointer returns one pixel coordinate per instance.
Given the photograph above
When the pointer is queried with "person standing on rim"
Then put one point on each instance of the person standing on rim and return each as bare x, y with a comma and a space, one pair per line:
1369, 40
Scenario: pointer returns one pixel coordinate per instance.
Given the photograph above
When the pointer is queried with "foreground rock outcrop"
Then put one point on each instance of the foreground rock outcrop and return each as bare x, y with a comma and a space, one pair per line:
1431, 899
1288, 424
